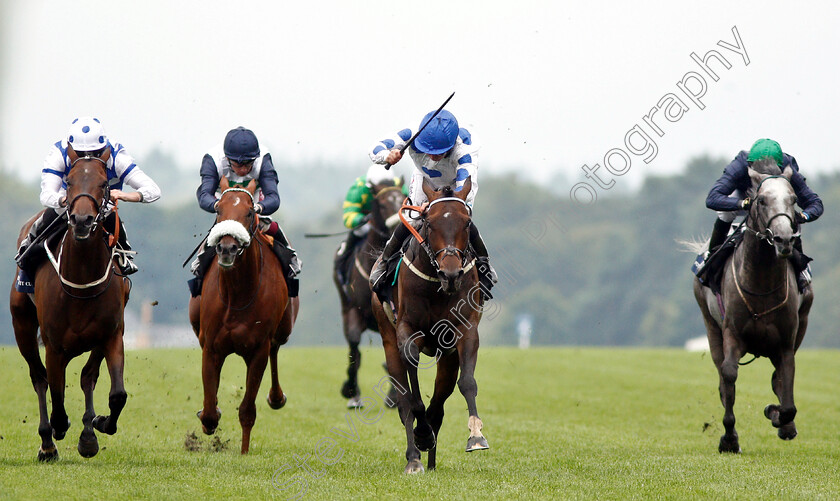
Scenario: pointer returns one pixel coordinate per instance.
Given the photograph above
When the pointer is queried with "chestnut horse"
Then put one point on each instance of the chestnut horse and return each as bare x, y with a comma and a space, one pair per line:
763, 312
78, 305
438, 307
356, 313
244, 308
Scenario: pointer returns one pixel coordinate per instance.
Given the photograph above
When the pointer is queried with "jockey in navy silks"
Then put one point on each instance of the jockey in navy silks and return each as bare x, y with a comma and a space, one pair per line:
728, 197
239, 161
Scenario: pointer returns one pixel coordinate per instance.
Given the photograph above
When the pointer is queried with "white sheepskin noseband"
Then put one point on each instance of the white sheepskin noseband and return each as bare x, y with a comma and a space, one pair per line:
229, 227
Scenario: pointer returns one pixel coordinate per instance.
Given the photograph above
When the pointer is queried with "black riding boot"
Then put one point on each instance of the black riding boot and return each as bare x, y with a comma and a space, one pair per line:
289, 259
35, 231
377, 275
719, 234
487, 277
199, 268
345, 251
800, 265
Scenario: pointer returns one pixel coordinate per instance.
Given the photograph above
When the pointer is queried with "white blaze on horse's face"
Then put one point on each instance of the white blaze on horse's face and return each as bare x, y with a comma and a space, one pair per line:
776, 213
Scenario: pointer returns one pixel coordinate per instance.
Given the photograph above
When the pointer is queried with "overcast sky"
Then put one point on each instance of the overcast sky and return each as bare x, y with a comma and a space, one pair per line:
545, 86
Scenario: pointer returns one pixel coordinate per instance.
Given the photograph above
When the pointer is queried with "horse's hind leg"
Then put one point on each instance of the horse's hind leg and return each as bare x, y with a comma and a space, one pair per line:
353, 328
468, 357
781, 416
247, 409
728, 369
25, 324
447, 375
56, 365
115, 358
88, 444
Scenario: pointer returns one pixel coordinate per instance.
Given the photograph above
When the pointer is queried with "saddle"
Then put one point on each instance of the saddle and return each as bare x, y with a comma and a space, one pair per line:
709, 270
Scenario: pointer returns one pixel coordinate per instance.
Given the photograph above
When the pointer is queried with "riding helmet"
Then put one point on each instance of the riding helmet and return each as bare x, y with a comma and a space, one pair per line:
766, 148
87, 134
241, 145
439, 136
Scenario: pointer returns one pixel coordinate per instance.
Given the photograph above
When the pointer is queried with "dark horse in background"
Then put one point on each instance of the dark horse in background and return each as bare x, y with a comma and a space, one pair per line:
764, 313
356, 313
438, 307
78, 305
244, 308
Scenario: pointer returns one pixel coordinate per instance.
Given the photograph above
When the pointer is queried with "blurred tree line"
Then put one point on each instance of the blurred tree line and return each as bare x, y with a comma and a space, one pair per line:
606, 274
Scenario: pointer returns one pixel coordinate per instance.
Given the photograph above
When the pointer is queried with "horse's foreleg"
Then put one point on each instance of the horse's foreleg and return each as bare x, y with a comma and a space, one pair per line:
25, 324
276, 398
115, 358
248, 409
468, 357
397, 367
728, 370
56, 365
447, 375
88, 444
782, 380
211, 369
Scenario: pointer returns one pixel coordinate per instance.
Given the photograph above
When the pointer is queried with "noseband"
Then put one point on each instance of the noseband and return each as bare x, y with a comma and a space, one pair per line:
253, 227
767, 234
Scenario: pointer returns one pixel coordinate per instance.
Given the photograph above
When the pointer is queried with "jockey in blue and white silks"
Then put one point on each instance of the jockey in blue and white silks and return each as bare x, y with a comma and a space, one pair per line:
459, 163
446, 155
87, 138
239, 160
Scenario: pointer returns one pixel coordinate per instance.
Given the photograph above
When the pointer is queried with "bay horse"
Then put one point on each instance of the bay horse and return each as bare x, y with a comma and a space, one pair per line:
244, 308
356, 312
439, 304
763, 312
78, 305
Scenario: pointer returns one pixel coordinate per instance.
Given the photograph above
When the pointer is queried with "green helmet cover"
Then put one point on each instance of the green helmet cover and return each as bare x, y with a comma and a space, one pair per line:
766, 148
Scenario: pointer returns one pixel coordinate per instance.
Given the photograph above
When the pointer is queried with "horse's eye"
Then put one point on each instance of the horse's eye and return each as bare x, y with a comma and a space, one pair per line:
760, 200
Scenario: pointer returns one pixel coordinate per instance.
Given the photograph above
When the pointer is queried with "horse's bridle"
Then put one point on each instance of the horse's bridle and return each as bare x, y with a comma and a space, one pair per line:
767, 235
101, 206
424, 243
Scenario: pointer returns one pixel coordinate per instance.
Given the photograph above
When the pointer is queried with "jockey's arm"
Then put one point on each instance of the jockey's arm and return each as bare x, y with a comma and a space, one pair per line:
206, 192
147, 191
52, 193
382, 152
268, 185
718, 198
467, 168
809, 201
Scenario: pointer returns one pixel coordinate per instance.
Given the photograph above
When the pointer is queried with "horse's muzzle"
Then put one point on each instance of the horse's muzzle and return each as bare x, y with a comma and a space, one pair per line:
227, 252
450, 282
82, 226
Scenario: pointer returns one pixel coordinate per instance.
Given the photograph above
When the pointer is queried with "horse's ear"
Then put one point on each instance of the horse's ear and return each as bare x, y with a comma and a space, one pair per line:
465, 189
756, 176
106, 155
224, 184
787, 173
429, 190
71, 154
251, 187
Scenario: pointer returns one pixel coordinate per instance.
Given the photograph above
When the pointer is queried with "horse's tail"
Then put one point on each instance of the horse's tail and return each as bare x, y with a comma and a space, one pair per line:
694, 245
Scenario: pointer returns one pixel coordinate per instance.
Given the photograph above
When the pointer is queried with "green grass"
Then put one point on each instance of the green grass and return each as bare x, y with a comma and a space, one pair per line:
562, 424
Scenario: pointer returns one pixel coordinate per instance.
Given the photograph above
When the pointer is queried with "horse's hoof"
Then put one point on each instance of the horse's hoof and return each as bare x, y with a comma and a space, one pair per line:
46, 456
477, 444
771, 412
727, 445
424, 442
88, 444
355, 403
787, 432
60, 433
414, 466
350, 390
101, 424
276, 405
